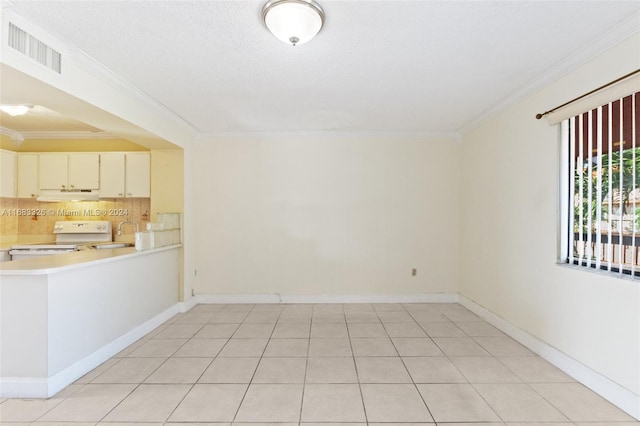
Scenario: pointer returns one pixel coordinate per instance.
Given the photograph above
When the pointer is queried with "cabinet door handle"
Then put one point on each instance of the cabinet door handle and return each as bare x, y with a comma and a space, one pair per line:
128, 194
120, 194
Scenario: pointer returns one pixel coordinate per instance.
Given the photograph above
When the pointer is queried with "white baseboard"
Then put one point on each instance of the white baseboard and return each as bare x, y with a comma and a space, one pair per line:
187, 304
618, 395
45, 387
339, 298
24, 387
237, 298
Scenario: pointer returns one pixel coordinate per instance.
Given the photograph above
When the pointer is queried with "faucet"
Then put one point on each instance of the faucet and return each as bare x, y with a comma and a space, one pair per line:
125, 222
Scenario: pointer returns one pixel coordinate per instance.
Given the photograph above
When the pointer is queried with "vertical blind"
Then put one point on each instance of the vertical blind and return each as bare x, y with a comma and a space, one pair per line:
604, 187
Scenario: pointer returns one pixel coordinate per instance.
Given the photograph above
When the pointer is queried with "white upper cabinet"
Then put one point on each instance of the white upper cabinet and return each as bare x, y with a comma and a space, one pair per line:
84, 171
53, 171
125, 175
138, 174
7, 173
112, 175
69, 171
28, 176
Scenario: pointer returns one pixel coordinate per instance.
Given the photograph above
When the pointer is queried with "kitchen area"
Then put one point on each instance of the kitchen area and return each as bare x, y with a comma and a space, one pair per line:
68, 174
40, 189
91, 248
89, 164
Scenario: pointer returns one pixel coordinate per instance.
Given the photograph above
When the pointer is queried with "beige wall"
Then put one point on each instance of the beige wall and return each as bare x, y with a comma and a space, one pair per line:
327, 215
168, 194
167, 181
509, 234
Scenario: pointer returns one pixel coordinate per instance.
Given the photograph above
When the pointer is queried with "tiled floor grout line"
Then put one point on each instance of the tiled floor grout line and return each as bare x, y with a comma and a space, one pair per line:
492, 356
45, 413
196, 382
257, 366
549, 402
306, 368
462, 373
179, 403
150, 374
473, 385
84, 385
120, 402
355, 366
407, 370
203, 371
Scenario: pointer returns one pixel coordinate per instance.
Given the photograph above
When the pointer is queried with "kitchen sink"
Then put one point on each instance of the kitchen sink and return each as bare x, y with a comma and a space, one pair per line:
110, 246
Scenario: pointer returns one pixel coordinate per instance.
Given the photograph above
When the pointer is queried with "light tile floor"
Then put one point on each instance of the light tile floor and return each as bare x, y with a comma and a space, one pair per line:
328, 363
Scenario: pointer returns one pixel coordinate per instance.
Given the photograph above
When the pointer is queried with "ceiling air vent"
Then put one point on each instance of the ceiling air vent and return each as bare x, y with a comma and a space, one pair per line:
25, 43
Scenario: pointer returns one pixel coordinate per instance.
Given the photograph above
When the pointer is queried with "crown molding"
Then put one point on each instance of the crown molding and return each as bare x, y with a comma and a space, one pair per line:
453, 137
82, 60
16, 137
68, 135
616, 35
19, 137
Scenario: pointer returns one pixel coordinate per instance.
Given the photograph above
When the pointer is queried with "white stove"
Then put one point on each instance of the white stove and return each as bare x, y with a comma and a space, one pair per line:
70, 235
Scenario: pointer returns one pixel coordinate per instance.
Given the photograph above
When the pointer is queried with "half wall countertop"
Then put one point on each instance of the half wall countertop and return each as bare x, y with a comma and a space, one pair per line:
67, 261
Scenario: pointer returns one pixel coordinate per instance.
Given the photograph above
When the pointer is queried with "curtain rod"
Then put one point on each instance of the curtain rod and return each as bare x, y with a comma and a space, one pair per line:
539, 116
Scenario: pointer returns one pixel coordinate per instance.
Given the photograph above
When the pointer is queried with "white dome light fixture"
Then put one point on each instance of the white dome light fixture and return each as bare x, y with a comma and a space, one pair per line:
293, 21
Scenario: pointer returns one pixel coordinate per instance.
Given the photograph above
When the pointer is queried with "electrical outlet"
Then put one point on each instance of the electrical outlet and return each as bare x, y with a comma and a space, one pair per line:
414, 272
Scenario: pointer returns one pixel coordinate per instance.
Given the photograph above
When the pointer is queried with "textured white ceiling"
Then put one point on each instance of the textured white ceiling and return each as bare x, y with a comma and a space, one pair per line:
410, 66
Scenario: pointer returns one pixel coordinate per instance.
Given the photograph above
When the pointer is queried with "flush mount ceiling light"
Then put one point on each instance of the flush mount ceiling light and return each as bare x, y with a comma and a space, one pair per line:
293, 21
15, 110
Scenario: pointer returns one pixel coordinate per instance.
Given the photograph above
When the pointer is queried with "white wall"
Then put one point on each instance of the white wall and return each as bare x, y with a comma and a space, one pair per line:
334, 214
58, 325
509, 233
90, 307
23, 327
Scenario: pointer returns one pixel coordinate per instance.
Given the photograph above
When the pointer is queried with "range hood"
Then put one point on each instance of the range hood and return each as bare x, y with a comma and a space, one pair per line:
55, 196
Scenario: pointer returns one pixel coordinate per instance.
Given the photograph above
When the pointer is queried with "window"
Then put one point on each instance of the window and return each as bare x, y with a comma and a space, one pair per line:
603, 187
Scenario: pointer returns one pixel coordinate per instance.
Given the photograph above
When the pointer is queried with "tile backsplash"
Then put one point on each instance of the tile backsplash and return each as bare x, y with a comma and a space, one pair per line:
24, 217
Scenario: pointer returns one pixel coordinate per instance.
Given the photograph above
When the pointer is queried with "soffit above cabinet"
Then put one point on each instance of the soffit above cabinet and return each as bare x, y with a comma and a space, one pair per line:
44, 130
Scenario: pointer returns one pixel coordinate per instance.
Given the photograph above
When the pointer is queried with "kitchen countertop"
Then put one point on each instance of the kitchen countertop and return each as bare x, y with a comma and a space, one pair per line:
77, 259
